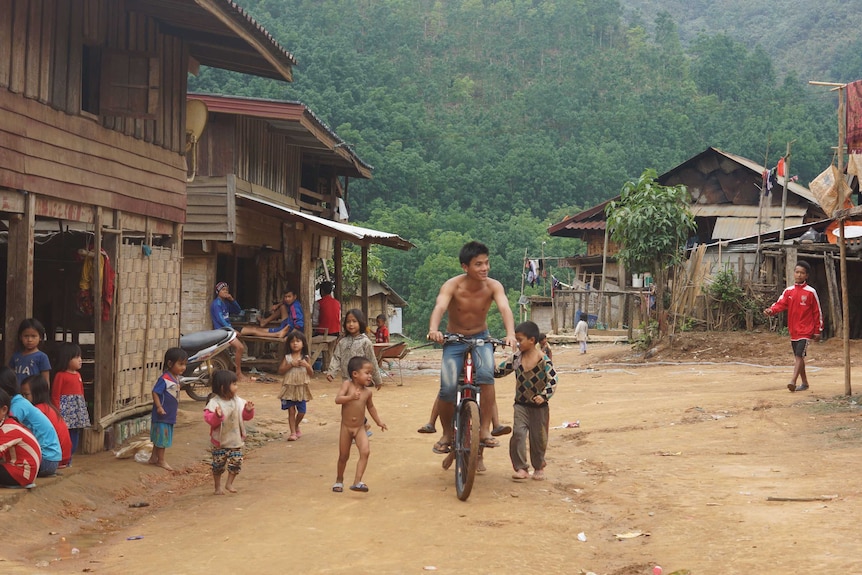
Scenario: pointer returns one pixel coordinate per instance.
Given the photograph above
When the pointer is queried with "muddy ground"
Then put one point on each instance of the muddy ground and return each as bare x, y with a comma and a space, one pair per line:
698, 458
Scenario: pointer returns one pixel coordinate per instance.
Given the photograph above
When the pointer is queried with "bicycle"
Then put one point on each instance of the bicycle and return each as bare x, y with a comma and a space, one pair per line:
467, 447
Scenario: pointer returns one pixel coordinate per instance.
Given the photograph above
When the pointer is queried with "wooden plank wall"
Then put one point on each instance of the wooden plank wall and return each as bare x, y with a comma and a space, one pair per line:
209, 216
70, 152
265, 158
255, 229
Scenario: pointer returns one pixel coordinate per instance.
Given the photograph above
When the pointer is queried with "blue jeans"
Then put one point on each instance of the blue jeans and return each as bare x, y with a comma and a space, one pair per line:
453, 362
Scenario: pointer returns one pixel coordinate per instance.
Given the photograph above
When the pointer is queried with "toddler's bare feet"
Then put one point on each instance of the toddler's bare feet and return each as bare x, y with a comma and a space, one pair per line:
230, 488
164, 465
218, 492
480, 465
539, 475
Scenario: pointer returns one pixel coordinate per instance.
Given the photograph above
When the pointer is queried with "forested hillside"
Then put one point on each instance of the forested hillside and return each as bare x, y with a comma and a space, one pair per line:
815, 40
490, 119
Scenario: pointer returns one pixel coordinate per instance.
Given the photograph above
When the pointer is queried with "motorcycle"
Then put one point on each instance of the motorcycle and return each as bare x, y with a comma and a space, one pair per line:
207, 353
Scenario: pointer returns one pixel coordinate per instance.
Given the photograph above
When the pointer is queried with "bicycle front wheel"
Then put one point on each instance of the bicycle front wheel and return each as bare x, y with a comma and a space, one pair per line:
467, 439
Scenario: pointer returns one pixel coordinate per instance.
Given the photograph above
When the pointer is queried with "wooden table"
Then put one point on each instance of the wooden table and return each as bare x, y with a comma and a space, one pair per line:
323, 344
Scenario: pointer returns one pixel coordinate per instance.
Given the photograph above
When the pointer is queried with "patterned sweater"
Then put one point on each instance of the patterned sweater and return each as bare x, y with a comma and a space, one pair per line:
541, 380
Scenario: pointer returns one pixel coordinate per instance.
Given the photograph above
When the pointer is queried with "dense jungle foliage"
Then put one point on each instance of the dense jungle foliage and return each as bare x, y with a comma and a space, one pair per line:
493, 119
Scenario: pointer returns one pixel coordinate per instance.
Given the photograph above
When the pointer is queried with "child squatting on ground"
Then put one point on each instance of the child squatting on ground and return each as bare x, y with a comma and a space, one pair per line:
166, 404
354, 397
804, 320
226, 413
535, 383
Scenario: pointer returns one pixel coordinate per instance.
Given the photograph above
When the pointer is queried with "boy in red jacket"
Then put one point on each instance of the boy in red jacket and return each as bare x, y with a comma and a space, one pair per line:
804, 319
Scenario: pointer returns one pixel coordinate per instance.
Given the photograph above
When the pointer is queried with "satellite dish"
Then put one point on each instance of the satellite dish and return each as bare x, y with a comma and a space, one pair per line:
196, 121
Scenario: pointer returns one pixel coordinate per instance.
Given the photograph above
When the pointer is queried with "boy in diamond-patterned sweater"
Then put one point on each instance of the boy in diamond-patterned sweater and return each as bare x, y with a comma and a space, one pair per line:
536, 382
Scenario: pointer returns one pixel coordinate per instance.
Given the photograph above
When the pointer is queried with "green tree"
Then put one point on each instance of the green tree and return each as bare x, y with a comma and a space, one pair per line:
651, 223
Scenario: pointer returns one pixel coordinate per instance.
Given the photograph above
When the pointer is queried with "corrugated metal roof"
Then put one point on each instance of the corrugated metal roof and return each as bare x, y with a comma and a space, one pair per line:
731, 228
355, 234
733, 210
298, 122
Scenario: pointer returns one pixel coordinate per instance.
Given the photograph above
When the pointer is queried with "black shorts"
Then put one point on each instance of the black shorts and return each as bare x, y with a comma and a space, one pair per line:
800, 346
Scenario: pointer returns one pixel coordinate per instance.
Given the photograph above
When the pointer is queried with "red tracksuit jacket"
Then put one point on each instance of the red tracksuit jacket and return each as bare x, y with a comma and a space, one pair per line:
804, 318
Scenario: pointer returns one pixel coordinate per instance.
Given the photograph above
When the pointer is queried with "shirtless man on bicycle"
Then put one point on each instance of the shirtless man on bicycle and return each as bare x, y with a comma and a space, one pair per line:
467, 299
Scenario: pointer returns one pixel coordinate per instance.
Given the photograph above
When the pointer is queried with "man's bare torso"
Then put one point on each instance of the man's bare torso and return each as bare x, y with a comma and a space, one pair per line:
468, 308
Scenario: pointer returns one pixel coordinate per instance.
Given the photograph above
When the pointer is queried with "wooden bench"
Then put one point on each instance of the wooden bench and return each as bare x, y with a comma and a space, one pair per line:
257, 345
322, 344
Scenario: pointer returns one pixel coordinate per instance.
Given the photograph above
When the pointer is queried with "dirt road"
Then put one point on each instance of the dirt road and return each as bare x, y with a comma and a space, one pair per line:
673, 464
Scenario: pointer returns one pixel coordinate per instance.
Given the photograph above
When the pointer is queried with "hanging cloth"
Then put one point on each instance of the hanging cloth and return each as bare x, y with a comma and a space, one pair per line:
854, 116
84, 298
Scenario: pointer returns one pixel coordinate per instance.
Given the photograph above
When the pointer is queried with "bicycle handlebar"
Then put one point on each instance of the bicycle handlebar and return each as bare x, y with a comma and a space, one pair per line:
458, 338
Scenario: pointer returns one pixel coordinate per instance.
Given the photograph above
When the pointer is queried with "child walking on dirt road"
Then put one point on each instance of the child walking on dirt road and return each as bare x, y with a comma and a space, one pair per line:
354, 397
535, 383
804, 320
226, 413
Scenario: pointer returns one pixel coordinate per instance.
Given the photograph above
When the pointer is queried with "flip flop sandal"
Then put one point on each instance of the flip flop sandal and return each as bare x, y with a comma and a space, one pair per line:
338, 487
359, 487
441, 448
501, 430
292, 437
490, 442
427, 428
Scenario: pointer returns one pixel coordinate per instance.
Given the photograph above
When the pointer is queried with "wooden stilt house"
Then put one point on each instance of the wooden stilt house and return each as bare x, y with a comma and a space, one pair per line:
93, 166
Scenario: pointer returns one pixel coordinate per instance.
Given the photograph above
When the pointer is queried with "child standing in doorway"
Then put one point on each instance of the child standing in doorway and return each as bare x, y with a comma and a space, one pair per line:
804, 320
28, 359
226, 413
354, 343
354, 397
166, 405
535, 383
67, 392
297, 370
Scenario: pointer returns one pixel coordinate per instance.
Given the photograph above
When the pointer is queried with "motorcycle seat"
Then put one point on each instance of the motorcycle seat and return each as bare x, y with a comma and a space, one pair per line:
199, 340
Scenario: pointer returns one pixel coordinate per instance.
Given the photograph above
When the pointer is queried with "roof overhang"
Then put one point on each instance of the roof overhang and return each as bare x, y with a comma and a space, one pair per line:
220, 34
354, 234
319, 143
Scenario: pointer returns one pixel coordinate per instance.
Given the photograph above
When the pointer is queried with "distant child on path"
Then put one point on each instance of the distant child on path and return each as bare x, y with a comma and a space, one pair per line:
226, 413
804, 319
166, 405
545, 346
39, 394
298, 371
535, 383
581, 331
67, 392
27, 359
382, 333
354, 397
354, 343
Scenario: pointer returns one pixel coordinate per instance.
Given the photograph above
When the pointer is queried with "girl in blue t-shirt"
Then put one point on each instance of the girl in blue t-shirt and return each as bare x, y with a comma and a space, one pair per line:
28, 359
165, 404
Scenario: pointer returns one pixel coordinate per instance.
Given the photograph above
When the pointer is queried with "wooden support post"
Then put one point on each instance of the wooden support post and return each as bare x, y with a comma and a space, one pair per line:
338, 259
364, 275
19, 271
306, 280
834, 300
